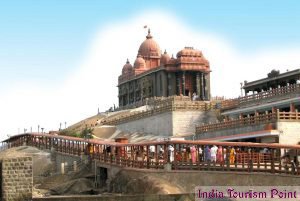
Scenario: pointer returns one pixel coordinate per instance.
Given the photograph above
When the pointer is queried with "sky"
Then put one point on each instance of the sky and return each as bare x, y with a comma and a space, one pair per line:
60, 59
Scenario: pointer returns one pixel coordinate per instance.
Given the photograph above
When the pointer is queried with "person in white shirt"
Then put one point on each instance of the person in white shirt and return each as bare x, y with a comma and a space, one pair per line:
171, 149
213, 153
200, 154
152, 151
161, 153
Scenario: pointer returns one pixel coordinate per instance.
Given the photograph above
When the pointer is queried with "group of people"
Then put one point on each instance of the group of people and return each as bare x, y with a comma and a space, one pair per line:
216, 154
209, 154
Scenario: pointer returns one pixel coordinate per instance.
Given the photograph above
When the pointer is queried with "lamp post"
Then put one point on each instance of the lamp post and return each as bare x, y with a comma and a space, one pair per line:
42, 130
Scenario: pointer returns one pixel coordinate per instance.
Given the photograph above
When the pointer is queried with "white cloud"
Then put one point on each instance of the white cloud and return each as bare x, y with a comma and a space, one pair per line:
93, 85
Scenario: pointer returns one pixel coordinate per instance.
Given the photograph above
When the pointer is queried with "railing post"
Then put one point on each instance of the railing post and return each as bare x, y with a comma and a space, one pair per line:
249, 160
147, 155
272, 161
175, 157
228, 158
278, 114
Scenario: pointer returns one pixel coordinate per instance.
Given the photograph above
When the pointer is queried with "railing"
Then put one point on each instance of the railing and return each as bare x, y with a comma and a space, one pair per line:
241, 122
158, 106
154, 101
290, 116
176, 155
277, 92
251, 120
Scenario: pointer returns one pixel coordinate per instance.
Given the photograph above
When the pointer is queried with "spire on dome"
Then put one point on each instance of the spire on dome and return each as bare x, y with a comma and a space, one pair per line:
127, 61
149, 34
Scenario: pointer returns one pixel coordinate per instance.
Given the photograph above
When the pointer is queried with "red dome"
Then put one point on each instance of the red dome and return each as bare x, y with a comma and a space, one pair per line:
149, 48
127, 68
139, 63
189, 52
164, 58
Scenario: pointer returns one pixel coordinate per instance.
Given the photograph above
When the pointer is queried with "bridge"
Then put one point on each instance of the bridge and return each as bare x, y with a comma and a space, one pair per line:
183, 155
184, 163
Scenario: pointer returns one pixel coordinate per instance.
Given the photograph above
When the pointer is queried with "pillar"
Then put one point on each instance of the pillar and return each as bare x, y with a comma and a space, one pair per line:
202, 87
292, 107
62, 169
178, 92
198, 84
183, 83
128, 89
169, 87
154, 90
207, 86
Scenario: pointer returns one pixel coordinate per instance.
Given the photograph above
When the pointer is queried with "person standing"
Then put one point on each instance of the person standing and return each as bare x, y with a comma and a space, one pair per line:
232, 155
200, 154
194, 96
213, 153
207, 155
171, 150
152, 151
220, 158
193, 154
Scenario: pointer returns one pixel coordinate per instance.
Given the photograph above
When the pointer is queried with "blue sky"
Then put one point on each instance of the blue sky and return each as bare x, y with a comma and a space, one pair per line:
45, 44
44, 39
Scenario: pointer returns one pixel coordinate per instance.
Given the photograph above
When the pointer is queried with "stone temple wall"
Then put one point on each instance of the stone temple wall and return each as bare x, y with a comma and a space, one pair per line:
173, 123
16, 178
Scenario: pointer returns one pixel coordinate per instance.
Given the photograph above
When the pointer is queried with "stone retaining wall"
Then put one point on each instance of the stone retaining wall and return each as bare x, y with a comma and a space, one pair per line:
17, 178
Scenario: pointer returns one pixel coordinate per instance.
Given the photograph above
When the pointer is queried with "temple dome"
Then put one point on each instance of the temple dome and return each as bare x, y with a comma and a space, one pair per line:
149, 48
139, 63
189, 52
164, 58
172, 60
127, 67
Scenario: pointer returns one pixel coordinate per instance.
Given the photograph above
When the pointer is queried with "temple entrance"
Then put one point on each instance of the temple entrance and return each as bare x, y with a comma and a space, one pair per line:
187, 92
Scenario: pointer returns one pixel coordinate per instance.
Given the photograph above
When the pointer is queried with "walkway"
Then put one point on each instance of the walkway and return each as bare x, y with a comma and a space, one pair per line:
172, 155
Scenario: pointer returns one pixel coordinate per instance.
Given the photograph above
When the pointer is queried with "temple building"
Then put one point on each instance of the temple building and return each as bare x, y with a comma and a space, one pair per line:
156, 74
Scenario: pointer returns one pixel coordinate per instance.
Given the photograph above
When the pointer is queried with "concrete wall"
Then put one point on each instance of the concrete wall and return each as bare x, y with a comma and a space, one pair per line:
185, 122
169, 123
17, 178
160, 124
289, 132
68, 161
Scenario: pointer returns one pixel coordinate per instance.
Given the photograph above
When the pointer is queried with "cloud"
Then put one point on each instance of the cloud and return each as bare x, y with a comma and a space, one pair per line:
93, 84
